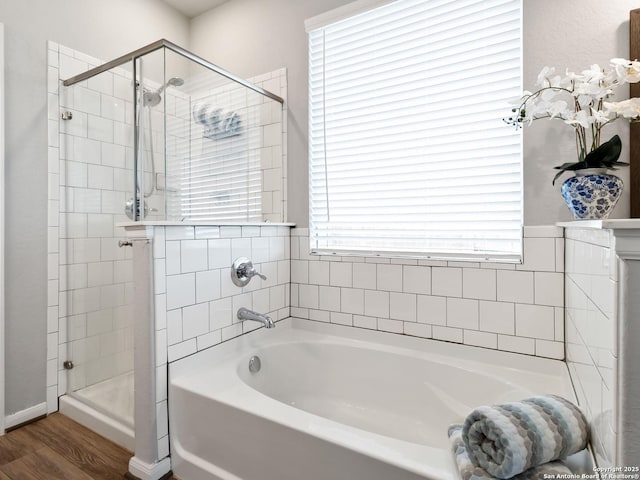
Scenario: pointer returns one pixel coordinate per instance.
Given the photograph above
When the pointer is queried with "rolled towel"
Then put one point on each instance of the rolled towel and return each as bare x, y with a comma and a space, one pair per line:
469, 471
508, 439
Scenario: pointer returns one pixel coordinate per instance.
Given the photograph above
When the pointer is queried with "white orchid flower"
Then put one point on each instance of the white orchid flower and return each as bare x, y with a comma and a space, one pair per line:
627, 108
558, 109
627, 71
543, 76
599, 116
579, 118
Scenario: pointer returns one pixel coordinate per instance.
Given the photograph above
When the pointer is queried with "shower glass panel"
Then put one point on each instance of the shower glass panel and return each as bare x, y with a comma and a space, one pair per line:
163, 135
95, 274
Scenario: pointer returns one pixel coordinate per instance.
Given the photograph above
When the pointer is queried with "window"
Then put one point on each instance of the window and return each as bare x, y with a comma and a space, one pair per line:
408, 153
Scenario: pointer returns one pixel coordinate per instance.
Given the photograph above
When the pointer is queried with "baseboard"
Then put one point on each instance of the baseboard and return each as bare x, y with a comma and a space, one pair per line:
146, 471
28, 415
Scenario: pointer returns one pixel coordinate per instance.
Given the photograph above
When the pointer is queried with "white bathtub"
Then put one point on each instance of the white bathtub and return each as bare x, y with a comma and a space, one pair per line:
337, 403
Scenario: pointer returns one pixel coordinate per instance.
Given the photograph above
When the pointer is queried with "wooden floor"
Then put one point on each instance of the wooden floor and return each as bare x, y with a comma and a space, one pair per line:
57, 448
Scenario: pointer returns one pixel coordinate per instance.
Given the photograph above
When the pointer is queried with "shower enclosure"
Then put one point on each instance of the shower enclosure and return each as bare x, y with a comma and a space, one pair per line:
159, 135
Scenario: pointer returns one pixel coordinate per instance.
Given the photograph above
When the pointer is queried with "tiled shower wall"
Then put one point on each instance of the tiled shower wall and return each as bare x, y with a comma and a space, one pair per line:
196, 301
591, 284
515, 308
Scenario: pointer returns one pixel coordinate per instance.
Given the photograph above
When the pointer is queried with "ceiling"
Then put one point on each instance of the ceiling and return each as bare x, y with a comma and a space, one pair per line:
193, 8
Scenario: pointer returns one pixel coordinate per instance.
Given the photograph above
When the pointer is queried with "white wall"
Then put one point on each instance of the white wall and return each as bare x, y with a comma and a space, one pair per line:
104, 30
251, 36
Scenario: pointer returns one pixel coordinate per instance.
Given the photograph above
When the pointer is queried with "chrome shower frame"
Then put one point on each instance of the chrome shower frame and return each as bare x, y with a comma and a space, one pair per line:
133, 57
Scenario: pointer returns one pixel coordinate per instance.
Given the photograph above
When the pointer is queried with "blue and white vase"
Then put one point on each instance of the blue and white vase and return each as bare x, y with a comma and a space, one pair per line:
592, 193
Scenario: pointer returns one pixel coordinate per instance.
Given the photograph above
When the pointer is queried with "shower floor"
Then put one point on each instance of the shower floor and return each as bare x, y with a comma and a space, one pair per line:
106, 408
113, 397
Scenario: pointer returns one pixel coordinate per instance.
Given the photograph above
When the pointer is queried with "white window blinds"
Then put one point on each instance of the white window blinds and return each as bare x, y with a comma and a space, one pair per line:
408, 154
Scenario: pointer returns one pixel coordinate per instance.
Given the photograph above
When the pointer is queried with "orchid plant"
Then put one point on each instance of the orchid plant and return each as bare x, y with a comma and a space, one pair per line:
580, 101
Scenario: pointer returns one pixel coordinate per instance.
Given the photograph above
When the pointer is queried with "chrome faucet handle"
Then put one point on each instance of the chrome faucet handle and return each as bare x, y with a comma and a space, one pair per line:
242, 271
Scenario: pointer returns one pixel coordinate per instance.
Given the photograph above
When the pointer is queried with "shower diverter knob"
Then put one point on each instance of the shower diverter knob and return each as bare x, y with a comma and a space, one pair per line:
242, 271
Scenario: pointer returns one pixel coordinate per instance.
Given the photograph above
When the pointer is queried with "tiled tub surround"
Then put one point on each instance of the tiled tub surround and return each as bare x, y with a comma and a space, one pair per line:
195, 301
602, 309
510, 307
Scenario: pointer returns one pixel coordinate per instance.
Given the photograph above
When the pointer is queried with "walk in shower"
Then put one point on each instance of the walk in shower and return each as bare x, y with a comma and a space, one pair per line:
159, 135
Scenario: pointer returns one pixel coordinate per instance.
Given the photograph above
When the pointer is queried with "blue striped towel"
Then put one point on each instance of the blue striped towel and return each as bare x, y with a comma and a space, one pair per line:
505, 440
469, 471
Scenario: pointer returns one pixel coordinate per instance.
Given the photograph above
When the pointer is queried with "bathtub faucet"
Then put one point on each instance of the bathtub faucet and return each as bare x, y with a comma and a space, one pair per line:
246, 314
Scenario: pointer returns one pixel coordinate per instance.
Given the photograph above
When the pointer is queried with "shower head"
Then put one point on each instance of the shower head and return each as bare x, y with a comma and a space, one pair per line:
172, 82
151, 99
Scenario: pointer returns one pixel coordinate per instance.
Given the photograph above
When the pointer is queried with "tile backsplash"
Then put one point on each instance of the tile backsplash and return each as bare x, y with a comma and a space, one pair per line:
504, 306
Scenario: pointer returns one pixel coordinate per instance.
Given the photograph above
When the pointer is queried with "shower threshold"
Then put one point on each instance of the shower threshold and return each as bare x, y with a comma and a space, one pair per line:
106, 408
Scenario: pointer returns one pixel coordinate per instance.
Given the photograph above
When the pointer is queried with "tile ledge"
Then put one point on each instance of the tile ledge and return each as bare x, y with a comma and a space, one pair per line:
613, 224
203, 224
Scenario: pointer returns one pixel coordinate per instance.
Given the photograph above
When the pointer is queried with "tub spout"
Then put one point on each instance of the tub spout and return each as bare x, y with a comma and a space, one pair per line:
246, 314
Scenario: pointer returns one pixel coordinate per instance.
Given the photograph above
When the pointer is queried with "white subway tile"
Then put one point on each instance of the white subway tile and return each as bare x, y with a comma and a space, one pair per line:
99, 225
432, 310
277, 250
284, 271
364, 276
277, 298
549, 349
232, 331
111, 156
75, 175
172, 252
514, 286
195, 320
447, 334
259, 249
86, 151
416, 279
341, 318
403, 306
86, 200
539, 255
179, 233
100, 177
480, 339
181, 350
497, 317
510, 343
535, 321
389, 278
161, 348
446, 281
299, 271
308, 296
193, 255
207, 285
319, 273
221, 313
100, 128
328, 298
220, 253
209, 339
393, 326
462, 313
365, 322
352, 300
559, 323
260, 300
549, 288
181, 290
341, 274
97, 274
239, 301
159, 276
417, 330
174, 326
376, 303
478, 283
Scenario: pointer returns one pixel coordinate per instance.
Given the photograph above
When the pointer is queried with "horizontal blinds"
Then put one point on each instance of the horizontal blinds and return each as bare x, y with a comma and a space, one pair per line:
408, 152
